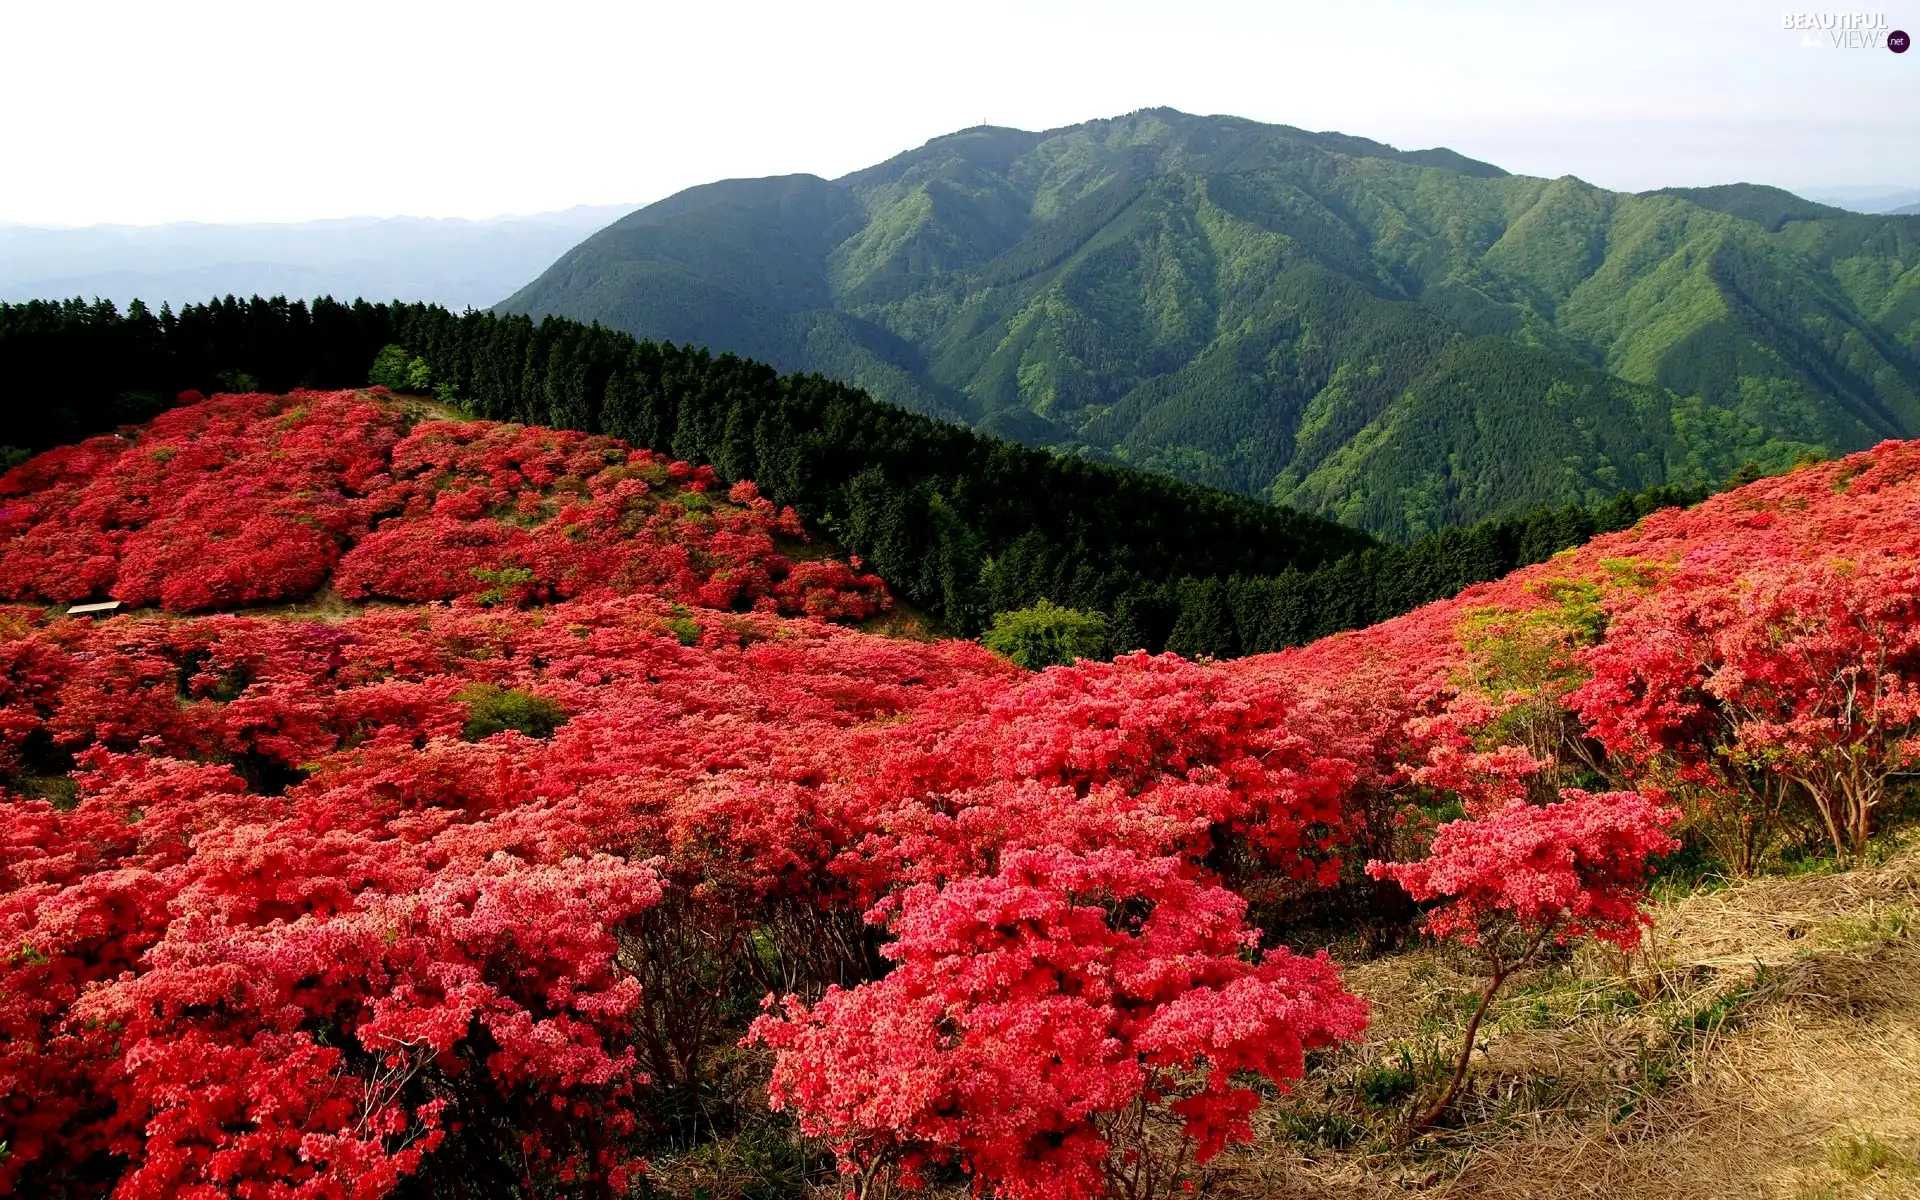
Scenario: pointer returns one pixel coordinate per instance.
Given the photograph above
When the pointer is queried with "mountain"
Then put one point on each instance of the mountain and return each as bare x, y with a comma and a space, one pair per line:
452, 262
1400, 340
1867, 198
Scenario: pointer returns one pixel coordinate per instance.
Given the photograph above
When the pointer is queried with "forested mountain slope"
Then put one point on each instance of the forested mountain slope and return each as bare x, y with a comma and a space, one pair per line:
1403, 341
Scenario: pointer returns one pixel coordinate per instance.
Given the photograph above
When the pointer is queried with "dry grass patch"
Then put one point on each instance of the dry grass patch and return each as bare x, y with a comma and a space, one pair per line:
417, 408
1765, 1042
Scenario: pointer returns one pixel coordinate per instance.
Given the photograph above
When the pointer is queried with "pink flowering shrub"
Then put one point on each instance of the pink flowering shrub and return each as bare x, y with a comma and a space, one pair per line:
1515, 881
1038, 1019
1746, 692
298, 931
484, 1000
436, 558
223, 502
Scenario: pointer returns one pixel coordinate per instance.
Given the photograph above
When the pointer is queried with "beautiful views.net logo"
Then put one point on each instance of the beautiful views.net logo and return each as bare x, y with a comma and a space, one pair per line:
1846, 31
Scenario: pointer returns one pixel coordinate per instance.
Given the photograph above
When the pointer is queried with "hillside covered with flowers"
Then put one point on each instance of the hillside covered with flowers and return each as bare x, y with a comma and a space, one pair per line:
254, 499
581, 826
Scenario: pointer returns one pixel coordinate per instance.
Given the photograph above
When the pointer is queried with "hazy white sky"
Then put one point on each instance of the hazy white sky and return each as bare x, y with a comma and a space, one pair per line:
277, 110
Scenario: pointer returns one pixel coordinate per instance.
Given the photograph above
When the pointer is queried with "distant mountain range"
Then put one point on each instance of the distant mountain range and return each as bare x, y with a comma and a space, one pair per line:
454, 262
1868, 198
1400, 340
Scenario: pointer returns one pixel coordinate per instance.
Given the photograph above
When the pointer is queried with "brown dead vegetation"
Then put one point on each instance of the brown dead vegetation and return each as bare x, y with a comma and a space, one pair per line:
1765, 1042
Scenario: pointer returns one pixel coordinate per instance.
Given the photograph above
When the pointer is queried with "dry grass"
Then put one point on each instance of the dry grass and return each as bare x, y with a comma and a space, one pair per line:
904, 622
421, 408
1765, 1043
326, 606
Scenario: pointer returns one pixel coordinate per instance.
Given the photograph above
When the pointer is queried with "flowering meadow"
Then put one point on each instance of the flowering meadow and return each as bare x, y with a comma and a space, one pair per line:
583, 790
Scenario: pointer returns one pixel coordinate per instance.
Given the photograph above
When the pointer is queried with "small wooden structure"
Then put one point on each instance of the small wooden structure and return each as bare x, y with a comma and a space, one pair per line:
102, 608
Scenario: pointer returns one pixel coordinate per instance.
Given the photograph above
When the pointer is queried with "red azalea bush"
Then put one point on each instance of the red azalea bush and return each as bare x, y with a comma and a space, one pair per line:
482, 1001
1154, 753
1744, 691
1575, 868
438, 558
1037, 1020
324, 1032
234, 500
191, 564
298, 927
515, 512
1512, 882
1710, 655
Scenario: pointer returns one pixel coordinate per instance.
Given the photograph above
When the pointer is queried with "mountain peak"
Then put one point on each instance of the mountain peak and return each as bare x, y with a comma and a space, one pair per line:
1404, 340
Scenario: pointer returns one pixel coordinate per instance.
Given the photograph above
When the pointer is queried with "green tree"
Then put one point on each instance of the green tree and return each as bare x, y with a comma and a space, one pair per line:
1205, 628
419, 378
1047, 635
389, 368
394, 370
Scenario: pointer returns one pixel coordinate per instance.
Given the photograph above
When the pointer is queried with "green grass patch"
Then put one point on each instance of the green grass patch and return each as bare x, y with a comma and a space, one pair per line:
1862, 1153
492, 709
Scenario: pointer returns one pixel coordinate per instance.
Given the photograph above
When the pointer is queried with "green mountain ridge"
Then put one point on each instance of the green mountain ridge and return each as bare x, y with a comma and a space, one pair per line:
1400, 340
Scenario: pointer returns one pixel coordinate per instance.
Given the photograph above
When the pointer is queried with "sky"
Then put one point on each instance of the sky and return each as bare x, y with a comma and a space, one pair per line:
287, 110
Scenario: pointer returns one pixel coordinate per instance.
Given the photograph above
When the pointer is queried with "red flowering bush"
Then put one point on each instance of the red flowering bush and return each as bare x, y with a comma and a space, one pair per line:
827, 589
515, 513
258, 558
1746, 693
438, 558
317, 1017
248, 499
479, 1005
1575, 868
1514, 881
229, 501
298, 928
1038, 1019
1155, 753
1747, 658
